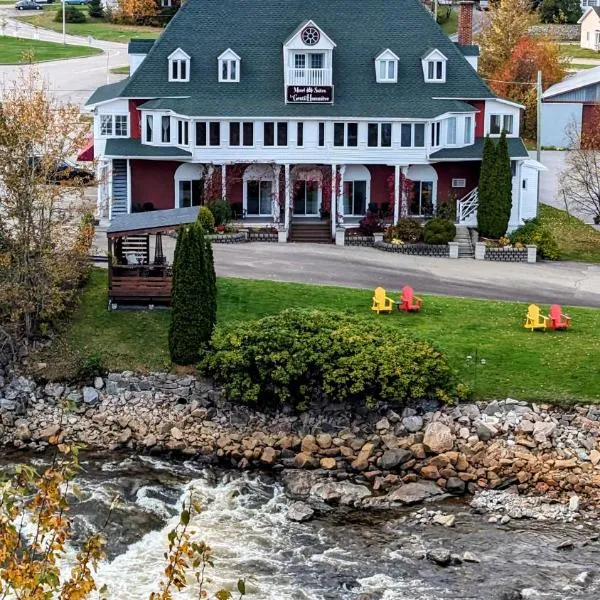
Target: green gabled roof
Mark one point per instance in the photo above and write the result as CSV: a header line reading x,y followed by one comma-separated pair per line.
x,y
516,149
257,30
107,92
130,147
140,45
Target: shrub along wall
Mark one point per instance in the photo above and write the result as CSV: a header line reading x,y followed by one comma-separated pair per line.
x,y
299,356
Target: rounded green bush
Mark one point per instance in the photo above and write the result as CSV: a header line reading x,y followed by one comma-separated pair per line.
x,y
298,356
206,219
531,232
72,15
221,210
439,231
407,230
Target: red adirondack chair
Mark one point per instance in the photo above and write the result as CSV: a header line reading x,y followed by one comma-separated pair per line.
x,y
408,301
557,319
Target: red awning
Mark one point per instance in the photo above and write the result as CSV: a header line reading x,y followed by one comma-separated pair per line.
x,y
87,153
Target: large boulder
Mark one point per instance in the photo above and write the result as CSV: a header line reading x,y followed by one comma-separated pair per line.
x,y
395,457
300,511
438,437
412,493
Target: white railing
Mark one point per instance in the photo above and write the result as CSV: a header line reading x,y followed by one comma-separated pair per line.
x,y
309,77
466,208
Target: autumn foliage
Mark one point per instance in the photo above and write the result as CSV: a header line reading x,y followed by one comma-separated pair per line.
x,y
516,79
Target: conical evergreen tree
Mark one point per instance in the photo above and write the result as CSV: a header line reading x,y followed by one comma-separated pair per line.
x,y
191,307
503,187
212,281
487,177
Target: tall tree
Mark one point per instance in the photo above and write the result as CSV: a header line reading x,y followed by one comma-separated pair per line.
x,y
560,11
517,78
487,180
138,12
193,303
505,24
502,186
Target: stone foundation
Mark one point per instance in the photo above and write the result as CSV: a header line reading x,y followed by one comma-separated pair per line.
x,y
415,249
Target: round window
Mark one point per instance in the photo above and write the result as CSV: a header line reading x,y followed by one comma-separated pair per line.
x,y
310,36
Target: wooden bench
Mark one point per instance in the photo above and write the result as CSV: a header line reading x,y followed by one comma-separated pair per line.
x,y
144,289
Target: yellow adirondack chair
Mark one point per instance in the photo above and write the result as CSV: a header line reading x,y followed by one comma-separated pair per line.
x,y
381,302
534,319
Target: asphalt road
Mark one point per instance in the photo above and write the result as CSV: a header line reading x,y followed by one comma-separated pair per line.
x,y
563,283
71,80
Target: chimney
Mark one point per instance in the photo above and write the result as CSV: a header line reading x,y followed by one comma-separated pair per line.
x,y
465,23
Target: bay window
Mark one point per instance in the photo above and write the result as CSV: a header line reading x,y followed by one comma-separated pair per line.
x,y
182,133
468,130
165,126
149,128
451,131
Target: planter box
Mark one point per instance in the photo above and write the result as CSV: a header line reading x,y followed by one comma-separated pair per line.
x,y
228,238
442,250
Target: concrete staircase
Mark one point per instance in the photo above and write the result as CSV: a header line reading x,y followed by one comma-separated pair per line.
x,y
465,246
316,232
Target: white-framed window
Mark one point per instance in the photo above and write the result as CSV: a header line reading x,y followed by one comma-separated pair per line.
x,y
500,123
451,131
165,129
179,66
114,125
241,134
183,133
459,182
434,66
149,132
229,67
189,185
468,137
412,135
259,197
379,135
386,67
436,130
345,134
275,134
309,60
208,133
165,3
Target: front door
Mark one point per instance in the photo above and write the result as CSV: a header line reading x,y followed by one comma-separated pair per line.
x,y
306,199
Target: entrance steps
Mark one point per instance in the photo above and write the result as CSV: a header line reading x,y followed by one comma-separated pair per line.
x,y
315,232
465,246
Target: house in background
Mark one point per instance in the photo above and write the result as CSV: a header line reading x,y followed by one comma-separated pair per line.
x,y
570,108
296,113
590,28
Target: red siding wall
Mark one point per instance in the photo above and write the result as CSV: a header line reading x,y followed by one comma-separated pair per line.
x,y
135,118
153,181
380,191
479,117
448,171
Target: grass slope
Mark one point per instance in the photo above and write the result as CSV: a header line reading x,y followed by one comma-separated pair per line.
x,y
450,26
575,51
97,28
576,240
556,367
12,49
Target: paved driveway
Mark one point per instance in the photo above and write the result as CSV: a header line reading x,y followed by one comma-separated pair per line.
x,y
564,283
71,80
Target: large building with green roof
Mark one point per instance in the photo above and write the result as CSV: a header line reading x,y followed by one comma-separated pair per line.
x,y
303,110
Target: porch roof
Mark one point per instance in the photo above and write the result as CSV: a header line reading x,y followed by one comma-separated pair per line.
x,y
516,149
132,148
152,221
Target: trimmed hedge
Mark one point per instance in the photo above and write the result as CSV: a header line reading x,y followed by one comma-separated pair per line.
x,y
206,220
297,356
531,232
439,231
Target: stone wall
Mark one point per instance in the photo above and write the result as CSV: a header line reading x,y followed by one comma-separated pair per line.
x,y
506,254
358,240
415,249
561,32
228,238
262,236
395,456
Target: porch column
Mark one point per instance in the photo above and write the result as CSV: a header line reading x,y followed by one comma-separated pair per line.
x,y
340,196
128,186
396,193
223,181
333,200
403,197
287,198
276,204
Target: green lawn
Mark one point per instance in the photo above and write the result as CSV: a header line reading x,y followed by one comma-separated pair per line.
x,y
120,70
576,240
451,25
532,366
97,28
574,51
580,67
12,50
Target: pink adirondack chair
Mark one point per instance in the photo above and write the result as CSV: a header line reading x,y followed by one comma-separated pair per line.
x,y
408,301
557,319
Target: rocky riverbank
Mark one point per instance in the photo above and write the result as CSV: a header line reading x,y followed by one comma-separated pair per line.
x,y
376,459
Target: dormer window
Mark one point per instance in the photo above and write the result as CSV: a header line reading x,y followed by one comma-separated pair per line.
x,y
229,66
179,66
386,67
434,66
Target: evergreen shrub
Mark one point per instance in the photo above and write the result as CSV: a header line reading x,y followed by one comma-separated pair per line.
x,y
439,231
407,230
300,355
72,15
206,219
221,210
531,232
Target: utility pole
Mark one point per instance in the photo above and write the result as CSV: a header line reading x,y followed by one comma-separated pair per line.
x,y
539,115
435,9
64,23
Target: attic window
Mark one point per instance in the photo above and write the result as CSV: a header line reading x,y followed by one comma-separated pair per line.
x,y
229,66
434,67
179,66
386,67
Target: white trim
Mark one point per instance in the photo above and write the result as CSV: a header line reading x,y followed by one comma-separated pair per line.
x,y
534,164
179,56
502,100
128,185
229,53
187,172
254,173
353,173
228,56
588,10
303,26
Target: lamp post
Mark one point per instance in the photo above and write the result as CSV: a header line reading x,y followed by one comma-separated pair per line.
x,y
64,23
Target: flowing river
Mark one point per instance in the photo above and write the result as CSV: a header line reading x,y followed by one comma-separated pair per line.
x,y
347,555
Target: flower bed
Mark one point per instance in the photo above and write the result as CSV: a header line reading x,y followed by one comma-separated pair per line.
x,y
228,238
415,249
506,254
